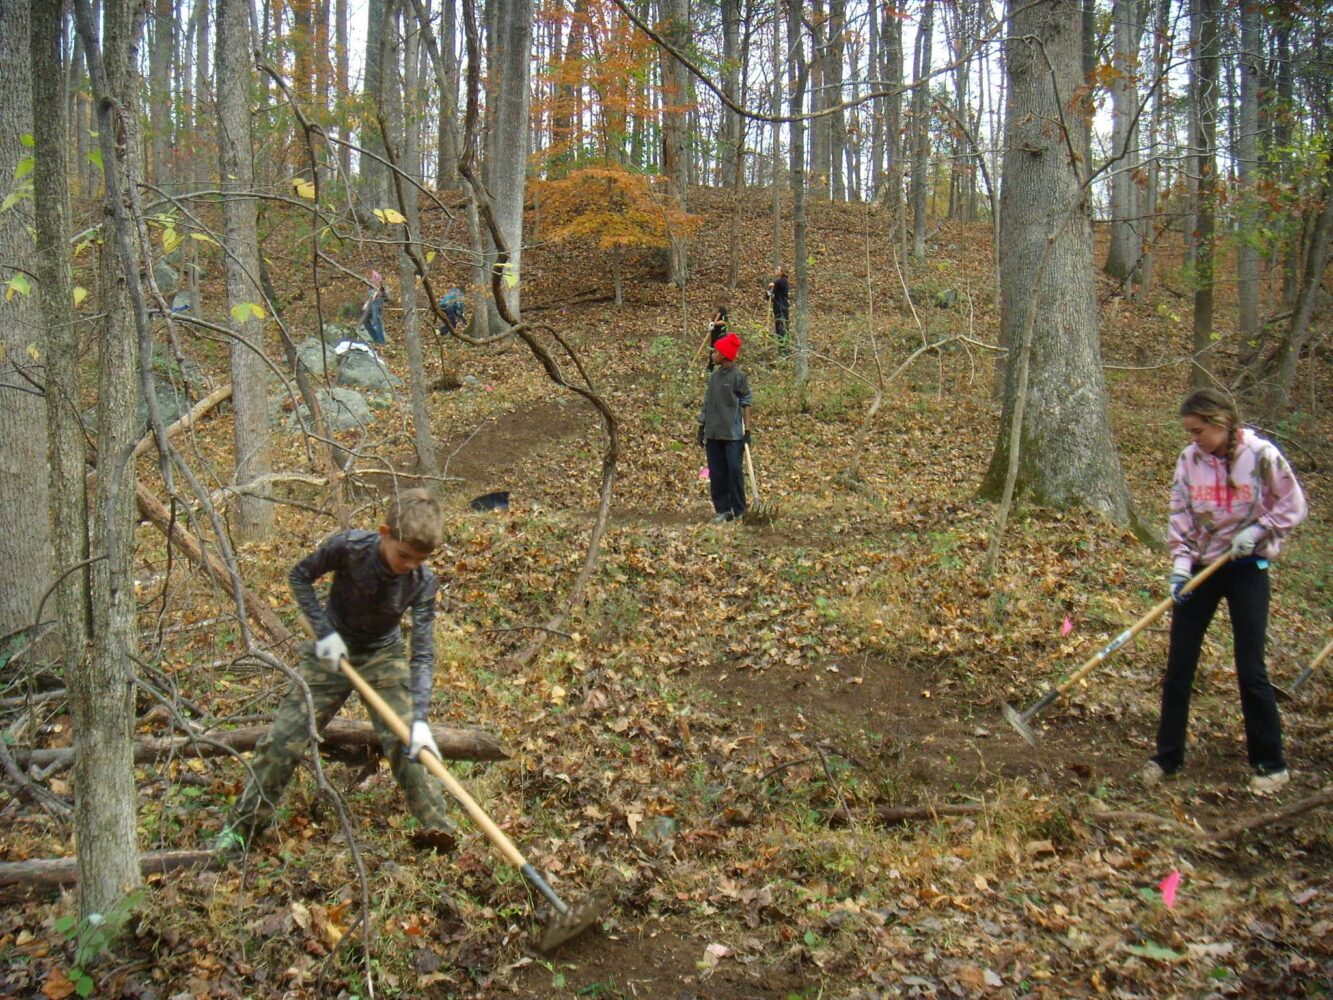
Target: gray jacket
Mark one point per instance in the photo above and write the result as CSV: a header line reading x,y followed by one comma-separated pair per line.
x,y
367,602
728,392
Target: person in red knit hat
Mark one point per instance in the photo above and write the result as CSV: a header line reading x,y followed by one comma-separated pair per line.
x,y
724,429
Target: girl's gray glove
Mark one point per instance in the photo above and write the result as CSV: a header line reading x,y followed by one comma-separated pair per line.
x,y
1245,541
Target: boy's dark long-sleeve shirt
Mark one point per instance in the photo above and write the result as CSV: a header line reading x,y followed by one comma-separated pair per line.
x,y
728,392
367,602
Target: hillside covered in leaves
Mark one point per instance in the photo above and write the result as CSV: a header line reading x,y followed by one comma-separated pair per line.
x,y
785,742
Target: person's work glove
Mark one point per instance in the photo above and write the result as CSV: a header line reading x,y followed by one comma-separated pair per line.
x,y
699,435
331,650
745,438
1178,581
1245,541
422,740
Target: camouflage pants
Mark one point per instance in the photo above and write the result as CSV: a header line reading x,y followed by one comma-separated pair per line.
x,y
286,742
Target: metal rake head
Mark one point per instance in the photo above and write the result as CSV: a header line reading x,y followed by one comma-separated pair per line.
x,y
564,927
1015,718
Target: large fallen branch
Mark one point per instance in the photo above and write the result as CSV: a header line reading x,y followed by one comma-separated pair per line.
x,y
1320,798
259,612
55,872
339,734
904,814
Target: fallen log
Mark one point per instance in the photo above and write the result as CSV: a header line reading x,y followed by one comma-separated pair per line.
x,y
1318,800
347,735
51,873
904,814
155,511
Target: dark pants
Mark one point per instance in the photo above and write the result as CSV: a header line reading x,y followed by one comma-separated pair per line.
x,y
726,475
780,325
1244,585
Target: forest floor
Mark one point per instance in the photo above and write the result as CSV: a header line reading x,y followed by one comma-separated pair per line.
x,y
723,721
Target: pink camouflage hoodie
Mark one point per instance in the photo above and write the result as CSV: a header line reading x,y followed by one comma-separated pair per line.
x,y
1210,502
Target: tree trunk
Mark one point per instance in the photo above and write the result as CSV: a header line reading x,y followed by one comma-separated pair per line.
x,y
1248,211
506,173
1205,147
797,70
921,130
1281,372
1126,241
675,135
775,68
25,534
102,690
203,83
1054,386
449,152
405,110
1162,46
833,77
374,178
159,108
730,139
254,514
60,346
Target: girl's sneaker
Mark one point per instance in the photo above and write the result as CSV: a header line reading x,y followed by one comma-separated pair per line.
x,y
1267,784
1152,774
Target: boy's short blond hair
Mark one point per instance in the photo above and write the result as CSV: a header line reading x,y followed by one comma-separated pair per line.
x,y
416,518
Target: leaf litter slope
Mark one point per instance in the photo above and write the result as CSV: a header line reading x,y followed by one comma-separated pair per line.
x,y
733,705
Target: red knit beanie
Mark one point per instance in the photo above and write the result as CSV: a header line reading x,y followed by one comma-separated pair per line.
x,y
728,346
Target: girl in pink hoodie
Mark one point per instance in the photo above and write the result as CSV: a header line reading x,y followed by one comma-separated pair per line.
x,y
1233,493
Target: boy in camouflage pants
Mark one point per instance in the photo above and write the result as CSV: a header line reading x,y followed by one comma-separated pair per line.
x,y
377,577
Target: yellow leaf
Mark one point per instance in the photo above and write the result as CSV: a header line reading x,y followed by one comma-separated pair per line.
x,y
303,187
388,215
33,353
170,239
80,293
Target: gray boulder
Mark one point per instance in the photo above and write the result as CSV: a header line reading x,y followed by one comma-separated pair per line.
x,y
364,371
335,332
166,277
344,410
313,354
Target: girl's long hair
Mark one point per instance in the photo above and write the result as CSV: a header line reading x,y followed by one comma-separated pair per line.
x,y
1213,406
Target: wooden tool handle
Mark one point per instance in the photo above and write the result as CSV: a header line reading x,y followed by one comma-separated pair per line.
x,y
435,766
1160,609
1323,655
427,759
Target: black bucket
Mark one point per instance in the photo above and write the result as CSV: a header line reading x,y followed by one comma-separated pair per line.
x,y
491,501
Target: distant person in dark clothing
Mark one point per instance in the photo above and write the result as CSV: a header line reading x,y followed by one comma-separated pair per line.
x,y
779,292
724,430
718,327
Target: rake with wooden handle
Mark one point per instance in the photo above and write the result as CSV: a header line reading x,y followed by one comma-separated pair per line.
x,y
569,920
757,512
1020,720
1304,675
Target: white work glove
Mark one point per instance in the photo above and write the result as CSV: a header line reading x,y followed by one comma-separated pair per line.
x,y
1245,541
331,650
422,740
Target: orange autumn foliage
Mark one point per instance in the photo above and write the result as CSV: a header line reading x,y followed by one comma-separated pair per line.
x,y
613,209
